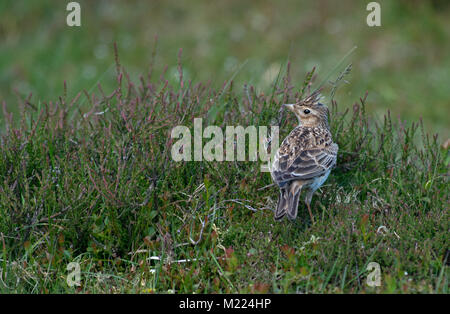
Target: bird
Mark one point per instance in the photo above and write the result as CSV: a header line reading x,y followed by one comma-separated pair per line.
x,y
305,158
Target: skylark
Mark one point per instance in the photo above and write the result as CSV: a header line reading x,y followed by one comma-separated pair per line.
x,y
305,157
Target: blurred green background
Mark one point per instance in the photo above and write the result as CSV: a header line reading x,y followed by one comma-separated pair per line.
x,y
404,64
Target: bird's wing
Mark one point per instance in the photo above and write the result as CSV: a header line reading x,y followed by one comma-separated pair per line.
x,y
304,156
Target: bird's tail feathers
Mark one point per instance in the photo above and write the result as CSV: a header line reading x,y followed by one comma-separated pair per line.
x,y
280,212
287,203
292,207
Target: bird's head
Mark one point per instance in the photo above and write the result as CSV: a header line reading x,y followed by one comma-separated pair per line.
x,y
309,111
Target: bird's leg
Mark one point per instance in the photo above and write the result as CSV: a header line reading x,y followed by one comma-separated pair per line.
x,y
310,213
308,202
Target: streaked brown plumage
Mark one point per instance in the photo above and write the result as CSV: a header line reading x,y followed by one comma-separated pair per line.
x,y
305,157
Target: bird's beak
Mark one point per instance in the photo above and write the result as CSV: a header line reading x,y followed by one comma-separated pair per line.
x,y
289,106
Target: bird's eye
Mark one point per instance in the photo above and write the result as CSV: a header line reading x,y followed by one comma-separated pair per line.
x,y
306,111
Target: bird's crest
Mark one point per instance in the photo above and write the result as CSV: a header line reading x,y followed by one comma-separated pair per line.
x,y
311,100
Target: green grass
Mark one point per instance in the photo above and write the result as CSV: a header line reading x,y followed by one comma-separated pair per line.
x,y
96,184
